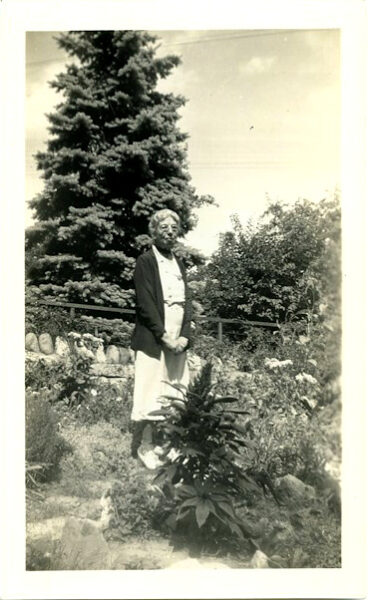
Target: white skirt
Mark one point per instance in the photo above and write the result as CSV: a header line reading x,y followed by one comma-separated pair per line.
x,y
153,376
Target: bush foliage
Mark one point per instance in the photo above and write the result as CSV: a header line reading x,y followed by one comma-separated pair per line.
x,y
278,270
45,447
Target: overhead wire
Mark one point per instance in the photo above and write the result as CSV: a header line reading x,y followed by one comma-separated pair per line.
x,y
260,33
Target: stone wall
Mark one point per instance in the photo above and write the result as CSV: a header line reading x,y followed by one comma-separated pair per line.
x,y
80,344
112,361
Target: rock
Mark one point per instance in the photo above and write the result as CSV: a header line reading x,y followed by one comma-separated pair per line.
x,y
74,340
112,355
61,347
124,356
290,489
95,345
283,534
82,546
82,350
108,511
32,342
107,370
259,560
45,343
34,357
129,370
100,356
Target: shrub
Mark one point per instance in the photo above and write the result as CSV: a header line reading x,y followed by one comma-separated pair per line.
x,y
203,478
279,268
44,445
67,380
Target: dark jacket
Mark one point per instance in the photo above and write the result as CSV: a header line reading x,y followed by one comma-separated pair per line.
x,y
150,313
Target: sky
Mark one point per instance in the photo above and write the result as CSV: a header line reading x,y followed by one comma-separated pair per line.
x,y
262,116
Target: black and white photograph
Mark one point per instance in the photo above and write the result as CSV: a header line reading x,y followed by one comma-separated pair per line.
x,y
184,304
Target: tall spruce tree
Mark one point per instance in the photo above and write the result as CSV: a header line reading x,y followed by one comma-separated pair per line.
x,y
115,155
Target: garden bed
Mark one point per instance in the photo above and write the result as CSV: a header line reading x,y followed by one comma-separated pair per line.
x,y
91,494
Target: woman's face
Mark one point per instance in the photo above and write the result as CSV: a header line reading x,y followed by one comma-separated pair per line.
x,y
166,234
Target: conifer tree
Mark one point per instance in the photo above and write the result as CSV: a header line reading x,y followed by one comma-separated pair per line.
x,y
115,155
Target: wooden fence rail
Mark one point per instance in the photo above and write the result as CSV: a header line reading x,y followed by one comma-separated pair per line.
x,y
219,320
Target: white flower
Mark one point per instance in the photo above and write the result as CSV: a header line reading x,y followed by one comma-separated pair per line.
x,y
312,361
310,379
93,392
73,335
286,362
274,363
312,403
306,377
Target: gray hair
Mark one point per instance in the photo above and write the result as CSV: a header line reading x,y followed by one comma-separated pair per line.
x,y
159,216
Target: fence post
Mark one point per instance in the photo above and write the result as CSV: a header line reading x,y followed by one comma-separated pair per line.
x,y
219,331
72,312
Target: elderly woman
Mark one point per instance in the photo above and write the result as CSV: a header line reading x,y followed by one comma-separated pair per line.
x,y
162,331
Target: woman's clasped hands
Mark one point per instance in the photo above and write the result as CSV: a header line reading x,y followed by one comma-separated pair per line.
x,y
177,345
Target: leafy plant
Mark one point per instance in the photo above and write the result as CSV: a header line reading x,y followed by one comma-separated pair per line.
x,y
45,447
42,375
201,477
75,380
67,380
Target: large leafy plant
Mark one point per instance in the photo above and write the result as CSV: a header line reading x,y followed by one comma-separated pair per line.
x,y
201,477
69,381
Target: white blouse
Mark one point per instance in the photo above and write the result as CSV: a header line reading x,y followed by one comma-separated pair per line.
x,y
172,282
